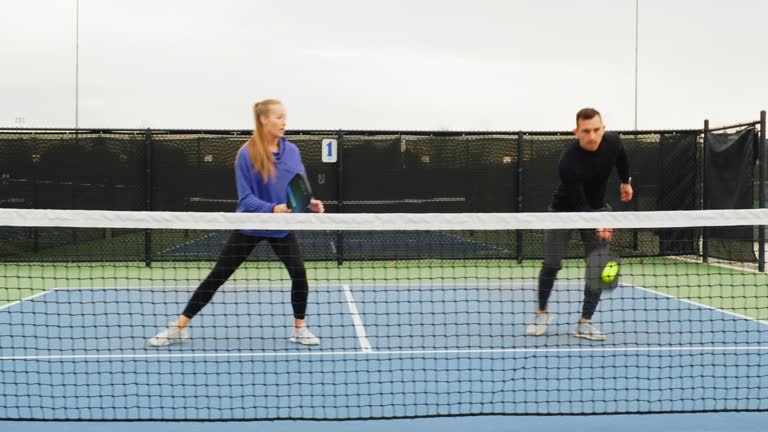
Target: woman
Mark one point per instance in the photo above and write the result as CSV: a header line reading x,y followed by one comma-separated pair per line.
x,y
263,167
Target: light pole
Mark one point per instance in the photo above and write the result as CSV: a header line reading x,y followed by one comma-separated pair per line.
x,y
77,64
637,33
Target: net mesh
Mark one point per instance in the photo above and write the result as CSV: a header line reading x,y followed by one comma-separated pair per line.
x,y
428,315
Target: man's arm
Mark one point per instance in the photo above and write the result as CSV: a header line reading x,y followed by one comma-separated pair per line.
x,y
622,167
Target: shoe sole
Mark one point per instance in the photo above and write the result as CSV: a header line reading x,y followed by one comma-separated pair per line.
x,y
167,342
583,336
158,344
294,340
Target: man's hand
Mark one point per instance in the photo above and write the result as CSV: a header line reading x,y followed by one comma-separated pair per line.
x,y
626,192
604,234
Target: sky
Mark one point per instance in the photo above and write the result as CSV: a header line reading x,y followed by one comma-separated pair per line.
x,y
502,65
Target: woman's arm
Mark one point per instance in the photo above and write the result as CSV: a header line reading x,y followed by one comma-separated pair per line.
x,y
245,194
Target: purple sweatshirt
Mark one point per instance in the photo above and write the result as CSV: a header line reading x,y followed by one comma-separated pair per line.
x,y
255,196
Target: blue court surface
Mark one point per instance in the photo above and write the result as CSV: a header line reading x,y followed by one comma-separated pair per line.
x,y
702,422
387,351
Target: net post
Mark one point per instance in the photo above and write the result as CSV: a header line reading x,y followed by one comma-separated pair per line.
x,y
340,192
761,187
108,198
520,177
705,203
148,194
73,204
35,205
635,207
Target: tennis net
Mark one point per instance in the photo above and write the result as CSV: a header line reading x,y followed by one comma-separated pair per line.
x,y
428,315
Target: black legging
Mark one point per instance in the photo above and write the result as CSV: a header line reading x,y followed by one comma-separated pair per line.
x,y
555,248
237,249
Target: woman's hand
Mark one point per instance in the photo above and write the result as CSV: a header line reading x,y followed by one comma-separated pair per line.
x,y
281,208
316,206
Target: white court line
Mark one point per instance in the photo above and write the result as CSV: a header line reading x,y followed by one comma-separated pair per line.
x,y
715,264
378,353
26,298
496,283
701,305
365,345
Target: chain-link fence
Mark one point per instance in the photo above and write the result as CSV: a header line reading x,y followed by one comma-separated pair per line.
x,y
375,172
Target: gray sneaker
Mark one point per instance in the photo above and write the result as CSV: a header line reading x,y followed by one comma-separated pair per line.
x,y
540,322
587,330
302,335
169,335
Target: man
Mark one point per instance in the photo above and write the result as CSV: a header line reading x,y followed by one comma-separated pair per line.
x,y
584,168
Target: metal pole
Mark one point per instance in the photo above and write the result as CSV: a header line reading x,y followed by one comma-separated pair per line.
x,y
761,188
635,207
340,191
637,35
36,205
705,202
148,195
77,65
520,177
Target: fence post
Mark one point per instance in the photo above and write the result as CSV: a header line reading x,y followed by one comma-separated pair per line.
x,y
761,188
705,202
148,195
340,192
35,205
519,209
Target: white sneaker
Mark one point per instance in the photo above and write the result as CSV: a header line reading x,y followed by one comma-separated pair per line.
x,y
587,330
169,335
540,322
302,335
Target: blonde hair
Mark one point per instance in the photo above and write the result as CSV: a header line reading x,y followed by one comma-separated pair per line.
x,y
261,156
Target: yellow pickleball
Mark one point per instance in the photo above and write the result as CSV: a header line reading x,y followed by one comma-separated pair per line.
x,y
610,271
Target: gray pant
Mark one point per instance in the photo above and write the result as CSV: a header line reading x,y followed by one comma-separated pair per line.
x,y
555,249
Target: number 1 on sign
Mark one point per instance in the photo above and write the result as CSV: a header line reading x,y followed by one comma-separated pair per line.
x,y
330,147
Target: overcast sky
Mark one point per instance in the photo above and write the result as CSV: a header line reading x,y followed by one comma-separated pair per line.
x,y
394,64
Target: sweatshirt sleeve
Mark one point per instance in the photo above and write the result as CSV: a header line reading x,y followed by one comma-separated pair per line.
x,y
249,201
302,169
622,164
